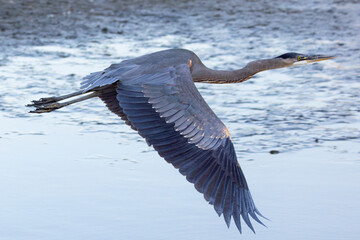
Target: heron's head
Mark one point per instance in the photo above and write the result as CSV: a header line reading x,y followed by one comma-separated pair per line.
x,y
293,59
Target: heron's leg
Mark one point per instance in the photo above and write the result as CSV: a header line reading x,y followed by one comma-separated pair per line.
x,y
54,99
49,107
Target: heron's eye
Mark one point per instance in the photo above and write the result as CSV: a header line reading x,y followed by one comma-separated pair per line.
x,y
301,58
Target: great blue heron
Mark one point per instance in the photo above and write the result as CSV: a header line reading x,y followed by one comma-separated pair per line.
x,y
155,95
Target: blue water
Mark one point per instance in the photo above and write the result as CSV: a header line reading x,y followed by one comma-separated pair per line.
x,y
80,173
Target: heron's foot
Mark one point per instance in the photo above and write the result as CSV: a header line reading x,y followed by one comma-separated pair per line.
x,y
43,108
43,101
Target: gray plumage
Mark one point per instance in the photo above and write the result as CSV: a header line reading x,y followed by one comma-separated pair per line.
x,y
155,94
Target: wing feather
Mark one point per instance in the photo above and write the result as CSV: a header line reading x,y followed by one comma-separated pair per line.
x,y
165,107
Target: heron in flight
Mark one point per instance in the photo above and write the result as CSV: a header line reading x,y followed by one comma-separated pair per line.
x,y
156,96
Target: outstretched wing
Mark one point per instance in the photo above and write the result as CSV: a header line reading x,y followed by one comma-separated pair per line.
x,y
166,108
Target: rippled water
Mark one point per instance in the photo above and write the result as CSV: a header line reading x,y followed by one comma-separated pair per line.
x,y
80,173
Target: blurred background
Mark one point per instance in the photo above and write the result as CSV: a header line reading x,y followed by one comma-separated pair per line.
x,y
80,173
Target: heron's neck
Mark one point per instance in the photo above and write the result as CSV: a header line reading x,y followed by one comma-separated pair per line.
x,y
207,75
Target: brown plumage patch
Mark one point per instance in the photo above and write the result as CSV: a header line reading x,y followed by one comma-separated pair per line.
x,y
227,133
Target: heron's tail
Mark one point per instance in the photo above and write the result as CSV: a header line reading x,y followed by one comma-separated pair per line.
x,y
50,104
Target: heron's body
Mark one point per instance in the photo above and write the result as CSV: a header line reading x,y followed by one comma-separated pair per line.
x,y
155,94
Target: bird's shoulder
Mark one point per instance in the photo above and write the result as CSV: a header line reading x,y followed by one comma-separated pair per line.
x,y
164,58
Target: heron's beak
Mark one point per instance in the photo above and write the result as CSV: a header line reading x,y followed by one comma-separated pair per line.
x,y
317,58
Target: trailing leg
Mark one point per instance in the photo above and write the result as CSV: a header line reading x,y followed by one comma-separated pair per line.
x,y
53,99
52,103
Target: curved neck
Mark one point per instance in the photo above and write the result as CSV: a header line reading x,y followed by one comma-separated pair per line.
x,y
201,73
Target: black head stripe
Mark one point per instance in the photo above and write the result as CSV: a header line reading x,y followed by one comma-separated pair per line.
x,y
289,55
